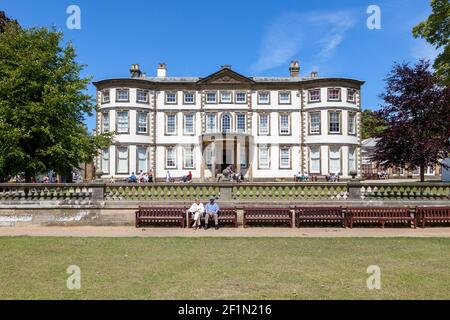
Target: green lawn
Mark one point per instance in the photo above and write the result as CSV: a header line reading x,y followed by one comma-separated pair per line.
x,y
224,268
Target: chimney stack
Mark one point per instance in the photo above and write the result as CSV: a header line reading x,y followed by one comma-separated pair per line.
x,y
294,69
161,72
314,74
135,71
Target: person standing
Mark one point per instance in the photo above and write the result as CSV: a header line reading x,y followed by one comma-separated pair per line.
x,y
212,210
197,210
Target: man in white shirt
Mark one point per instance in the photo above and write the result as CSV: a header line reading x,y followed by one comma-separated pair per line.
x,y
197,209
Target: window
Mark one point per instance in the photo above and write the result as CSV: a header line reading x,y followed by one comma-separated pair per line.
x,y
188,159
284,124
241,97
263,157
142,122
122,95
284,97
105,96
105,160
429,171
122,160
351,95
334,122
351,123
351,159
105,121
188,98
171,124
335,160
314,123
188,124
225,97
210,123
211,97
264,124
226,123
314,95
334,94
170,157
314,160
171,97
141,157
263,97
285,158
142,96
122,121
240,123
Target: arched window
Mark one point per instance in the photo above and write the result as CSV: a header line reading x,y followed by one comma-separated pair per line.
x,y
226,123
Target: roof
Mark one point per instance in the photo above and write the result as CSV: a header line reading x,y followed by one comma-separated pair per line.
x,y
227,76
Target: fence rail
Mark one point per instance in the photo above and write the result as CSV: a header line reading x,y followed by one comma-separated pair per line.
x,y
239,192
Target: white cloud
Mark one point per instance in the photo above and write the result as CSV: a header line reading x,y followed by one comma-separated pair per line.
x,y
289,33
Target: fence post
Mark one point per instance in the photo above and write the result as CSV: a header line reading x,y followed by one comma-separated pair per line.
x,y
354,189
98,191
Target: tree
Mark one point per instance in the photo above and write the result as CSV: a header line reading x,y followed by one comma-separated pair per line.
x,y
371,124
42,105
436,31
4,20
416,109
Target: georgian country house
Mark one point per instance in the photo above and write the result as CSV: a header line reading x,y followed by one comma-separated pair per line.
x,y
269,128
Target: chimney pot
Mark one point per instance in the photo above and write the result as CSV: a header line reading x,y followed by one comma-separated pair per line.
x,y
135,71
314,74
294,69
162,70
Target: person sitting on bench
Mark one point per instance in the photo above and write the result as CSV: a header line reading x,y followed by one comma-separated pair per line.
x,y
187,178
197,209
212,210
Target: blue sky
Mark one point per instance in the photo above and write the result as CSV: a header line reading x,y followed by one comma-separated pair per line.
x,y
255,37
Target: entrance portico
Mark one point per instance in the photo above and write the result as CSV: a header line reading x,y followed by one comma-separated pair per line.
x,y
222,149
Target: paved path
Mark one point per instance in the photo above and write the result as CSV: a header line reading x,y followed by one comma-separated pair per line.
x,y
224,232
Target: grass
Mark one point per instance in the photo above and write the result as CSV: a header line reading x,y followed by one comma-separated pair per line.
x,y
224,268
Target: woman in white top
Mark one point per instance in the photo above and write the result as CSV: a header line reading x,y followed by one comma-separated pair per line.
x,y
197,209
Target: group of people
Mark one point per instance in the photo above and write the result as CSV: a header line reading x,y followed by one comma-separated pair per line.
x,y
210,210
301,176
332,177
143,177
230,174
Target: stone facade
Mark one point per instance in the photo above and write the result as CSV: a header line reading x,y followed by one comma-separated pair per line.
x,y
268,128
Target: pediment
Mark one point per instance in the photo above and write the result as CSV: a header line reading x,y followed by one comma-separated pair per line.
x,y
225,76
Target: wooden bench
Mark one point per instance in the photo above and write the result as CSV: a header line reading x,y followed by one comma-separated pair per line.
x,y
379,215
432,214
160,215
226,215
319,214
278,215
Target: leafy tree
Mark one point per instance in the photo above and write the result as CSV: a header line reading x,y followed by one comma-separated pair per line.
x,y
436,30
42,105
416,109
5,20
371,124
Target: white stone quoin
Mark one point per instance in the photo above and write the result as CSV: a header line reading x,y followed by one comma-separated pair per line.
x,y
266,127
